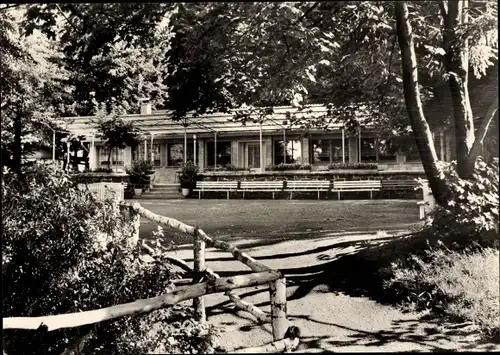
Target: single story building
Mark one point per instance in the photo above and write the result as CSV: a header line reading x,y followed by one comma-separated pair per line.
x,y
217,140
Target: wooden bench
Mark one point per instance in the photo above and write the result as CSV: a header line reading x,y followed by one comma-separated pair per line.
x,y
397,185
307,185
227,186
359,185
255,186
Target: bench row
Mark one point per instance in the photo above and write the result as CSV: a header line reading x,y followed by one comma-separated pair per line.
x,y
303,185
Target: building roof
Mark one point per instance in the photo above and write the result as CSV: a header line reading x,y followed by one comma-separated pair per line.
x,y
160,122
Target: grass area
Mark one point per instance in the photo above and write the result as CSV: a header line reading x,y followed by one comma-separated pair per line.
x,y
463,285
230,219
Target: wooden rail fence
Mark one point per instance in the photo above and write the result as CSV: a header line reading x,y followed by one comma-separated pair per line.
x,y
285,335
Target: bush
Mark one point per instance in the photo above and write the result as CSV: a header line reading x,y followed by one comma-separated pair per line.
x,y
227,167
283,167
168,331
472,210
64,251
188,175
102,170
139,172
462,285
340,166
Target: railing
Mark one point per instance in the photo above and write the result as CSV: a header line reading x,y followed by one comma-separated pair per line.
x,y
285,335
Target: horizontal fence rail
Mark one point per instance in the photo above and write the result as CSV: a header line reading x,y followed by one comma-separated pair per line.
x,y
147,305
285,335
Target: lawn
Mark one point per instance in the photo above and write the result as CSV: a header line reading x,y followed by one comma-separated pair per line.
x,y
295,219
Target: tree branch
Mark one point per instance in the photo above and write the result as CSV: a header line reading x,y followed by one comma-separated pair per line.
x,y
482,131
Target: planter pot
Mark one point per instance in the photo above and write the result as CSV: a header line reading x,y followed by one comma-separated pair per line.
x,y
185,192
137,192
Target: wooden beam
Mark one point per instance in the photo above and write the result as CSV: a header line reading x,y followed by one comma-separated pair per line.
x,y
198,268
277,291
249,308
173,223
280,346
140,306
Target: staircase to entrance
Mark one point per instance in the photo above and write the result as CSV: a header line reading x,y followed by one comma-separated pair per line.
x,y
162,192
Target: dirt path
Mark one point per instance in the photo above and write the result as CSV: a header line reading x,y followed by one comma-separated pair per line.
x,y
329,321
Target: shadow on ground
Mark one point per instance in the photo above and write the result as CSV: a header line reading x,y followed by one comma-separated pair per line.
x,y
361,272
401,331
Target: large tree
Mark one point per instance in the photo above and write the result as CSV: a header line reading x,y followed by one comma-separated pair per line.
x,y
113,53
343,54
461,23
26,84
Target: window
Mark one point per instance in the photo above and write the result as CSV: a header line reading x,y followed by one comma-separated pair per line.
x,y
103,156
138,153
253,155
328,150
176,153
223,153
368,152
386,151
156,154
321,151
336,145
293,152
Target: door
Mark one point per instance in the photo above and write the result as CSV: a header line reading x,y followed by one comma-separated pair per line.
x,y
253,155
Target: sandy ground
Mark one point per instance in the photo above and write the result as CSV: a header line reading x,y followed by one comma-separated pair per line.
x,y
329,322
304,239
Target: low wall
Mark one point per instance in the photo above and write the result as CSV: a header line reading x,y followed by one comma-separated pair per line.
x,y
100,177
312,175
105,189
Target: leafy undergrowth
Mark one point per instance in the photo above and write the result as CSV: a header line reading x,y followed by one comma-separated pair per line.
x,y
166,331
457,274
64,251
461,285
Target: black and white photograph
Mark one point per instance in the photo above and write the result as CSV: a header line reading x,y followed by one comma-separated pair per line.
x,y
249,177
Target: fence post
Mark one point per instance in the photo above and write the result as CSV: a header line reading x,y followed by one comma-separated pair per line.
x,y
198,268
136,220
277,290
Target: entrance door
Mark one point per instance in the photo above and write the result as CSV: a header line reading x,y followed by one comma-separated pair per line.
x,y
253,155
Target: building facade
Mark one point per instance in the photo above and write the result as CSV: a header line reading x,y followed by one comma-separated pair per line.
x,y
216,140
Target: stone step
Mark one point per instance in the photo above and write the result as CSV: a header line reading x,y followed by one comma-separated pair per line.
x,y
160,197
164,190
166,185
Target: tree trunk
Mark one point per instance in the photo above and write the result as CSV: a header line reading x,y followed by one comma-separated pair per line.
x,y
456,63
420,126
17,153
482,131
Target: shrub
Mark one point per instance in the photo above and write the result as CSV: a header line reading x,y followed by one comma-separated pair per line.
x,y
102,170
188,175
64,251
354,165
139,172
167,331
462,285
283,167
472,210
227,167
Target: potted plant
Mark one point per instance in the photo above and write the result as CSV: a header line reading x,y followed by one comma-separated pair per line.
x,y
138,175
187,177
